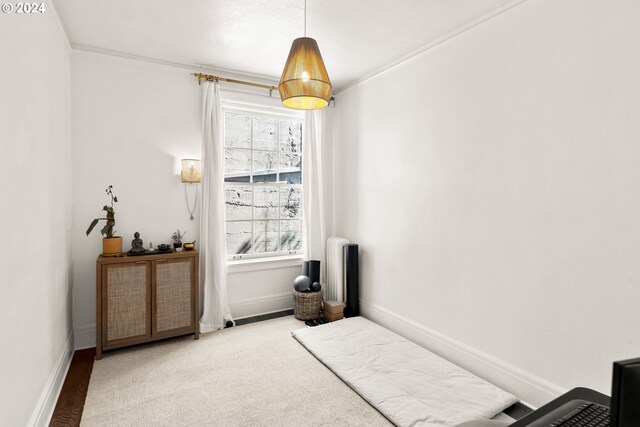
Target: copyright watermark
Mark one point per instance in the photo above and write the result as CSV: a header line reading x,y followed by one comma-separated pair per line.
x,y
24,8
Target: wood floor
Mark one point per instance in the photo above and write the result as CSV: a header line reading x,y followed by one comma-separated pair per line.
x,y
74,390
68,411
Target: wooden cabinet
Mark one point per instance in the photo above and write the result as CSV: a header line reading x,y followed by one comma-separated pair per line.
x,y
145,298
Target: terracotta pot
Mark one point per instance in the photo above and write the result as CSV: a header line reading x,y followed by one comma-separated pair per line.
x,y
112,246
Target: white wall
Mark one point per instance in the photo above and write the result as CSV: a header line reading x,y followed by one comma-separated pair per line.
x,y
35,182
493,184
132,123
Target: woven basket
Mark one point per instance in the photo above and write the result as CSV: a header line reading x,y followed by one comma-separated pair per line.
x,y
307,305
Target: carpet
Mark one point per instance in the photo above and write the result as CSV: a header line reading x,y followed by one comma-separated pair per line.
x,y
251,375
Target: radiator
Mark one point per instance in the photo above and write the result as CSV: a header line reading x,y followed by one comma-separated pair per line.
x,y
335,288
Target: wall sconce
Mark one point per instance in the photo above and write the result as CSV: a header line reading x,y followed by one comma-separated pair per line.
x,y
191,171
191,174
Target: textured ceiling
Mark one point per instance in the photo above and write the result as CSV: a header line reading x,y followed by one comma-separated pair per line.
x,y
356,37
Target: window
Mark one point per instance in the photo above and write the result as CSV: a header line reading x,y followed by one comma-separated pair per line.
x,y
263,184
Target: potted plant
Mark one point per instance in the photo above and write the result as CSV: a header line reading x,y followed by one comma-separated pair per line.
x,y
177,239
111,246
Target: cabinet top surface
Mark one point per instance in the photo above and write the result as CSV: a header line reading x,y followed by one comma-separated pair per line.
x,y
146,257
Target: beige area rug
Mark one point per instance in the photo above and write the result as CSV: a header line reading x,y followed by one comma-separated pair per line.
x,y
251,375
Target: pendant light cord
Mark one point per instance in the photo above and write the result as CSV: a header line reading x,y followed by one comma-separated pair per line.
x,y
305,18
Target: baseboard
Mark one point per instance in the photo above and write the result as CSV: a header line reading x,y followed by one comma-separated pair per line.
x,y
41,415
531,389
85,337
261,305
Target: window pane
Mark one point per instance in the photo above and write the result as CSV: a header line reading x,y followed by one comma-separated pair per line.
x,y
237,130
238,237
265,134
265,236
291,168
237,165
265,166
238,201
266,202
291,136
290,201
263,177
291,235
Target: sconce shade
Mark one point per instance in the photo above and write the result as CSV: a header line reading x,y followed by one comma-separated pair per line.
x,y
305,84
191,171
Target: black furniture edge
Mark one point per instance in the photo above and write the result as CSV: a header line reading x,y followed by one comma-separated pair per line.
x,y
576,393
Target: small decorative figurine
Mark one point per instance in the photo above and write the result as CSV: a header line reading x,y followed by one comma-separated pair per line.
x,y
137,246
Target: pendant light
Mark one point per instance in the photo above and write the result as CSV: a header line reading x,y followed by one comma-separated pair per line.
x,y
305,84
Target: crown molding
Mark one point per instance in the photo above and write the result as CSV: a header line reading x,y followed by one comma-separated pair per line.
x,y
207,69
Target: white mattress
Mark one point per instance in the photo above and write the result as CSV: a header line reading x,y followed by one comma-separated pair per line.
x,y
408,384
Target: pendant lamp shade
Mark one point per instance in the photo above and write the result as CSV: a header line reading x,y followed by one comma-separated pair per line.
x,y
305,84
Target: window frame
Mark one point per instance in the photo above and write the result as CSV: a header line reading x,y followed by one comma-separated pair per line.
x,y
277,113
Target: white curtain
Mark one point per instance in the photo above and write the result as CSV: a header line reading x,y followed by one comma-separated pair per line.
x,y
316,173
213,248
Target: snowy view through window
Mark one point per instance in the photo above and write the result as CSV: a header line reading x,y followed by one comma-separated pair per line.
x,y
263,177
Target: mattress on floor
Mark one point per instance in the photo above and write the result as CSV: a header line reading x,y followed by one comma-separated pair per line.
x,y
408,384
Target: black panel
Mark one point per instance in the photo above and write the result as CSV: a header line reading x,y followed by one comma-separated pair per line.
x,y
314,270
352,307
625,394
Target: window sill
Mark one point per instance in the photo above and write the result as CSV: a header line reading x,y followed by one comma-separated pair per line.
x,y
257,264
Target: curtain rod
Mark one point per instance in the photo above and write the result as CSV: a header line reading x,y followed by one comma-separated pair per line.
x,y
211,78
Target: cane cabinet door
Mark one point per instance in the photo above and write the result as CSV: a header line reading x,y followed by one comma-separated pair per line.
x,y
173,293
126,302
